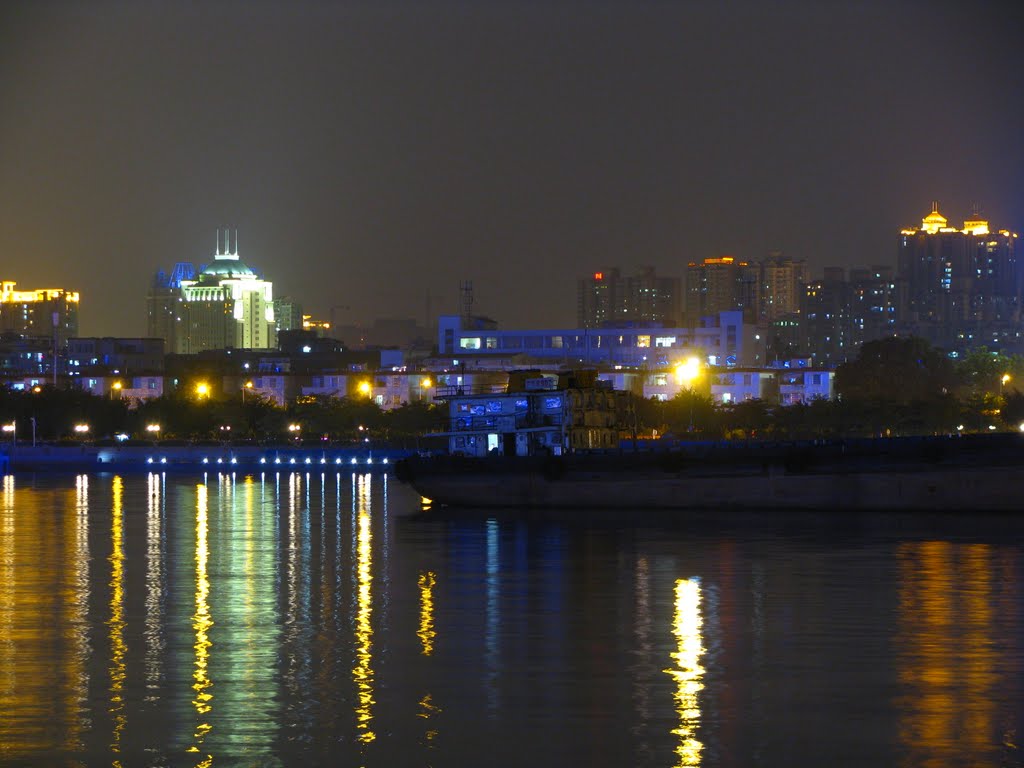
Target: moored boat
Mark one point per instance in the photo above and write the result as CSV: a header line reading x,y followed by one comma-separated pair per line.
x,y
972,472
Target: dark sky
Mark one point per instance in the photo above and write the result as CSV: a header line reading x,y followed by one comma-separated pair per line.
x,y
373,154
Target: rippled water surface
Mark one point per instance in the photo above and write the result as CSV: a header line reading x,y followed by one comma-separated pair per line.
x,y
306,619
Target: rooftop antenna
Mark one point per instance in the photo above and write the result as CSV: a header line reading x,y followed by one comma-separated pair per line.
x,y
935,206
218,242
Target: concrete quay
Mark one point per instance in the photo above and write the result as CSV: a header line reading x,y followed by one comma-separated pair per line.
x,y
193,458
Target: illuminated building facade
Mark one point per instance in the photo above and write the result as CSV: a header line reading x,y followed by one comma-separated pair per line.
x,y
225,305
50,313
606,298
957,285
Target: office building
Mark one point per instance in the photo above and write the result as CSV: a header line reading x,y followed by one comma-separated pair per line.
x,y
224,305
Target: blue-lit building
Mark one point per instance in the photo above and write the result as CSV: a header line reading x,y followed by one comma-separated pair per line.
x,y
720,340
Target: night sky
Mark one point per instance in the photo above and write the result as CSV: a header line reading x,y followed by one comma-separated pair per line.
x,y
374,155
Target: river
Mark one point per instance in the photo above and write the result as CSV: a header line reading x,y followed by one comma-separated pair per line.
x,y
295,619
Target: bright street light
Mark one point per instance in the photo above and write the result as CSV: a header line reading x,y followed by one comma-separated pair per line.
x,y
115,387
12,428
81,428
202,389
688,371
364,388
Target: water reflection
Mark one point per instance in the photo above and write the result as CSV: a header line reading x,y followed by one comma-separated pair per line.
x,y
155,584
290,619
946,651
202,622
362,672
116,623
688,672
426,633
44,631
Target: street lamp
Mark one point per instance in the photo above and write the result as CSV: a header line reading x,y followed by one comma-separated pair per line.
x,y
115,387
202,389
81,429
154,430
295,429
364,388
687,373
12,429
248,385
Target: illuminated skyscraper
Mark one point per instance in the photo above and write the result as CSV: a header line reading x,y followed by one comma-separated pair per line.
x,y
43,312
957,284
226,304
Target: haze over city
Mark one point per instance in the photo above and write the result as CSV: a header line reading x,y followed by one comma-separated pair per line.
x,y
372,155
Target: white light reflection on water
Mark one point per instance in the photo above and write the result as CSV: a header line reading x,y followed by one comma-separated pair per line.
x,y
154,584
688,672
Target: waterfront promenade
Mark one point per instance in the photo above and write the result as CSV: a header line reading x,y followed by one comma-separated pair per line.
x,y
191,457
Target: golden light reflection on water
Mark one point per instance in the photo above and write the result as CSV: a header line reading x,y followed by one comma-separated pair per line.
x,y
426,634
118,647
201,624
426,631
945,640
362,672
44,639
687,672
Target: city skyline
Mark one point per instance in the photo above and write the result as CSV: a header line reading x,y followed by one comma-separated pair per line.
x,y
371,156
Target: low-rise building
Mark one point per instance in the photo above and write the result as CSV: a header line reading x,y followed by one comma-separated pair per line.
x,y
540,414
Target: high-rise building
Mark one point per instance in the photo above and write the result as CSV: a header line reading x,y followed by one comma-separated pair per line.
x,y
50,313
872,304
608,298
720,284
953,282
780,286
225,304
288,314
